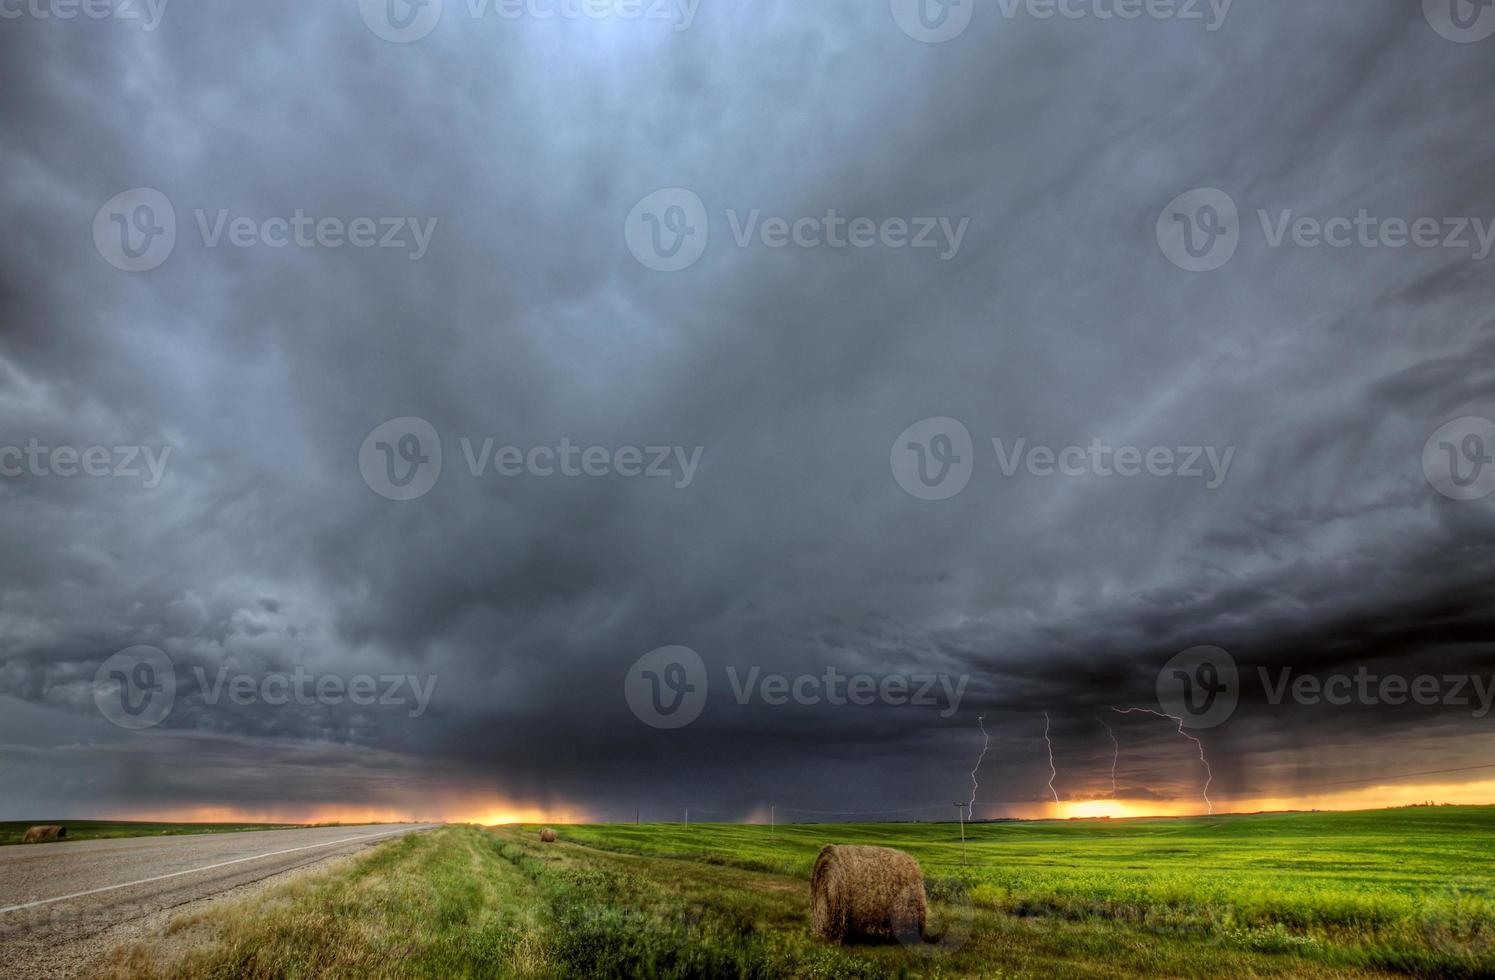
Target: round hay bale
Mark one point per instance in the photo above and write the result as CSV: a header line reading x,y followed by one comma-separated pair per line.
x,y
45,832
547,836
860,894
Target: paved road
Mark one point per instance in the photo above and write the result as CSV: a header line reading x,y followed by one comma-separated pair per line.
x,y
60,902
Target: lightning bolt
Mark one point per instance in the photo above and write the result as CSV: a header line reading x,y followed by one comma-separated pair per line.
x,y
1209,774
1053,773
1115,755
980,720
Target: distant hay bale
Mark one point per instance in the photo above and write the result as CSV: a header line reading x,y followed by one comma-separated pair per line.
x,y
46,832
866,894
547,836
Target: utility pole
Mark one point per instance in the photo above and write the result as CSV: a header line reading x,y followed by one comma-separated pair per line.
x,y
687,818
771,820
636,814
960,812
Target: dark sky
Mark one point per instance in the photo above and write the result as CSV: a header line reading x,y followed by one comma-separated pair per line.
x,y
791,547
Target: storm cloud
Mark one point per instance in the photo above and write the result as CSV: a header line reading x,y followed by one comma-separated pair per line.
x,y
516,149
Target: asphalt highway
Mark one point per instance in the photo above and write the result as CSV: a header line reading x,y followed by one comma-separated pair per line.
x,y
60,901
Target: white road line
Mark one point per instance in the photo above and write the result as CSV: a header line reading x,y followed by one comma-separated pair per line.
x,y
190,871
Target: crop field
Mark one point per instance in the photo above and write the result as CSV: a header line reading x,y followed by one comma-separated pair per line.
x,y
1384,893
12,831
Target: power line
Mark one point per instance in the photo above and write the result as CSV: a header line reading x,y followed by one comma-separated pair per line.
x,y
1402,775
940,806
854,813
821,813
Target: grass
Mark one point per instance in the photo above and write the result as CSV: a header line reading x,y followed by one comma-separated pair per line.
x,y
1401,890
1389,893
443,904
12,831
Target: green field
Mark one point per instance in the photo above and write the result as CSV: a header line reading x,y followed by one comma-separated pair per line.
x,y
1386,893
11,831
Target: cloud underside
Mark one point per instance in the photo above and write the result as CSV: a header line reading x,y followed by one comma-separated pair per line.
x,y
1059,321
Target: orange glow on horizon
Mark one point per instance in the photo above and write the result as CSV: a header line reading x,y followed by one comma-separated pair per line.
x,y
503,815
492,812
1481,793
1477,793
286,813
1116,809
